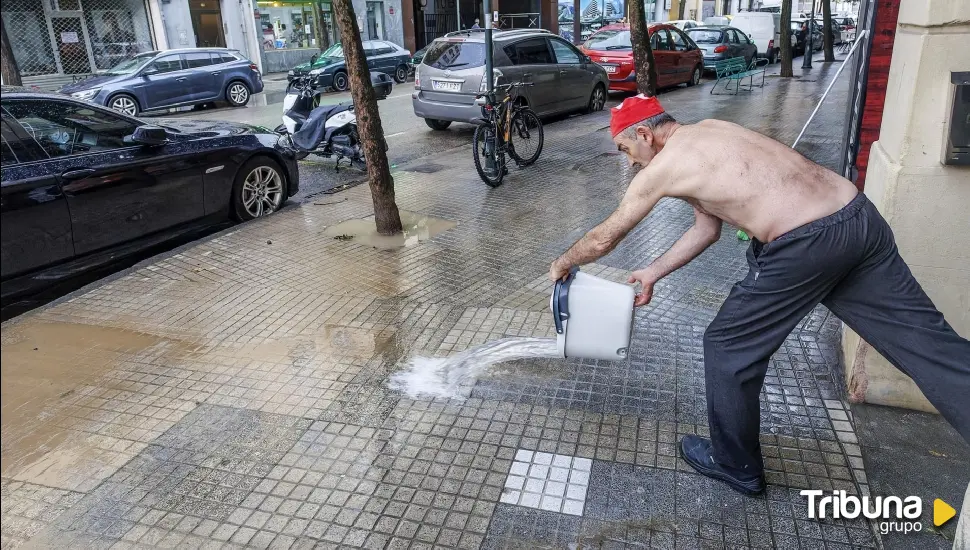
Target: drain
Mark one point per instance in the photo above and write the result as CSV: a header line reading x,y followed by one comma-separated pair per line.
x,y
590,165
427,168
343,187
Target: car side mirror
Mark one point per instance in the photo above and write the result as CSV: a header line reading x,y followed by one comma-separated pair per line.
x,y
149,71
313,58
148,135
587,59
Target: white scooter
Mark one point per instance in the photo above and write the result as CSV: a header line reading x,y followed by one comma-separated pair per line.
x,y
326,130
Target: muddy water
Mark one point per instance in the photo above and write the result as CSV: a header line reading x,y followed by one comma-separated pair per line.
x,y
417,228
59,433
43,365
450,376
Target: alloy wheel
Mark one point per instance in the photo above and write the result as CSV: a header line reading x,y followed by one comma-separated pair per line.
x,y
696,77
125,105
340,82
262,191
238,93
599,99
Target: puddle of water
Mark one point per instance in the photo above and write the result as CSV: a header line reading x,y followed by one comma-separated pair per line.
x,y
446,377
43,365
417,228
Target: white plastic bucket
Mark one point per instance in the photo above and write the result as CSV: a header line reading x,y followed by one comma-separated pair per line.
x,y
593,316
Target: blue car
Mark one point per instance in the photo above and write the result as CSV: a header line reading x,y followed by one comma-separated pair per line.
x,y
172,78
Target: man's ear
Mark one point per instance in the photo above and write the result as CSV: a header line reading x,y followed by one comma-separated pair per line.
x,y
646,134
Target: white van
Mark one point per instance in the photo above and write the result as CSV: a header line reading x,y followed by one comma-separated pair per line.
x,y
763,29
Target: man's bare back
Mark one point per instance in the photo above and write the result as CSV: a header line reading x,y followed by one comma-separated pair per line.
x,y
744,178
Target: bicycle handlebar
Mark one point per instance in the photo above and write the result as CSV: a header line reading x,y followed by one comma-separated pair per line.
x,y
506,87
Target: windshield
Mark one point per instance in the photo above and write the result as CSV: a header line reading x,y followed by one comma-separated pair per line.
x,y
333,51
455,54
129,66
609,40
705,37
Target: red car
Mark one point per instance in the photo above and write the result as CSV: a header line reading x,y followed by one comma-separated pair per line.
x,y
678,59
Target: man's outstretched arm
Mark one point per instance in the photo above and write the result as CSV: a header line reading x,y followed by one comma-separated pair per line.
x,y
639,200
705,232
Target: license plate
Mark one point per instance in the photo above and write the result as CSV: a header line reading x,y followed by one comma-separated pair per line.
x,y
443,86
610,69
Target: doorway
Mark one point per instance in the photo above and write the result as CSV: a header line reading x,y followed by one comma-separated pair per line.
x,y
71,39
375,21
207,23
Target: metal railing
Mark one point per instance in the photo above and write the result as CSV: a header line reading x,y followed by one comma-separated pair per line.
x,y
74,37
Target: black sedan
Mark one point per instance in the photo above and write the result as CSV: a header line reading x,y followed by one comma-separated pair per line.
x,y
330,70
84,186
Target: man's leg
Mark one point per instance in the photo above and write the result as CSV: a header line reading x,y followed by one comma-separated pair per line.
x,y
885,305
785,282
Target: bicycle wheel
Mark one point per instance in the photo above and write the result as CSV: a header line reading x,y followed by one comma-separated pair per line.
x,y
489,158
525,137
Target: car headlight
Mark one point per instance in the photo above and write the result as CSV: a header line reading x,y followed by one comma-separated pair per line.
x,y
86,94
316,72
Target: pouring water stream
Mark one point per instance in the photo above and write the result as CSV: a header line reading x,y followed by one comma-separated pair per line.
x,y
446,376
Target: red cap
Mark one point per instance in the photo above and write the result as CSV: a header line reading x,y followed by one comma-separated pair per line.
x,y
633,110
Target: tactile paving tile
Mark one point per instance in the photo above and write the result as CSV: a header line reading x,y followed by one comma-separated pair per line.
x,y
550,482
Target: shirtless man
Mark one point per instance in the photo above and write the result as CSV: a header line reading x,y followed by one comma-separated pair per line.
x,y
814,239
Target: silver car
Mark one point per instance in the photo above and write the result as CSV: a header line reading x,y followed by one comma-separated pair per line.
x,y
453,71
720,43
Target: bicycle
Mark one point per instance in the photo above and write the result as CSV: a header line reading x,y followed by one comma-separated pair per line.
x,y
504,124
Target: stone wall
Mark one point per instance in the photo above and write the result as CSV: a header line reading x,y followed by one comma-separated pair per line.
x,y
924,201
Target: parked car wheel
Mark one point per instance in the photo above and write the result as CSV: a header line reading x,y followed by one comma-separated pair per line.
x,y
401,74
436,124
597,100
124,103
695,77
259,189
771,57
237,94
340,82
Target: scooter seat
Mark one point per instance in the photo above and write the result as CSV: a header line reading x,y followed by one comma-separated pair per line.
x,y
312,131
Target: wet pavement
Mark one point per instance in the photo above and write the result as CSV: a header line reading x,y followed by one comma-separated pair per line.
x,y
234,393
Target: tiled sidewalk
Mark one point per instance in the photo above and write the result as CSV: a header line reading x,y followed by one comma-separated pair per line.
x,y
234,394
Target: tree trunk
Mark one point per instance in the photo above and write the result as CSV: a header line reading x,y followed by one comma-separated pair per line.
x,y
643,63
368,120
8,64
786,45
323,37
827,31
682,8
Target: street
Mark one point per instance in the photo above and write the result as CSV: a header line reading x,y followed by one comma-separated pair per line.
x,y
408,136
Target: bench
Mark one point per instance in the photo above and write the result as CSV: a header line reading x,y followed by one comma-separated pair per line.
x,y
736,69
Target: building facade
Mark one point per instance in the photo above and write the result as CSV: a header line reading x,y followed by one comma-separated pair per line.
x,y
55,42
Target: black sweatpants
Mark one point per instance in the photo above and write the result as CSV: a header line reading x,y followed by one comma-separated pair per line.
x,y
849,262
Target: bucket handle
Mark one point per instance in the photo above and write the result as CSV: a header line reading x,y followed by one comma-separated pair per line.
x,y
560,300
